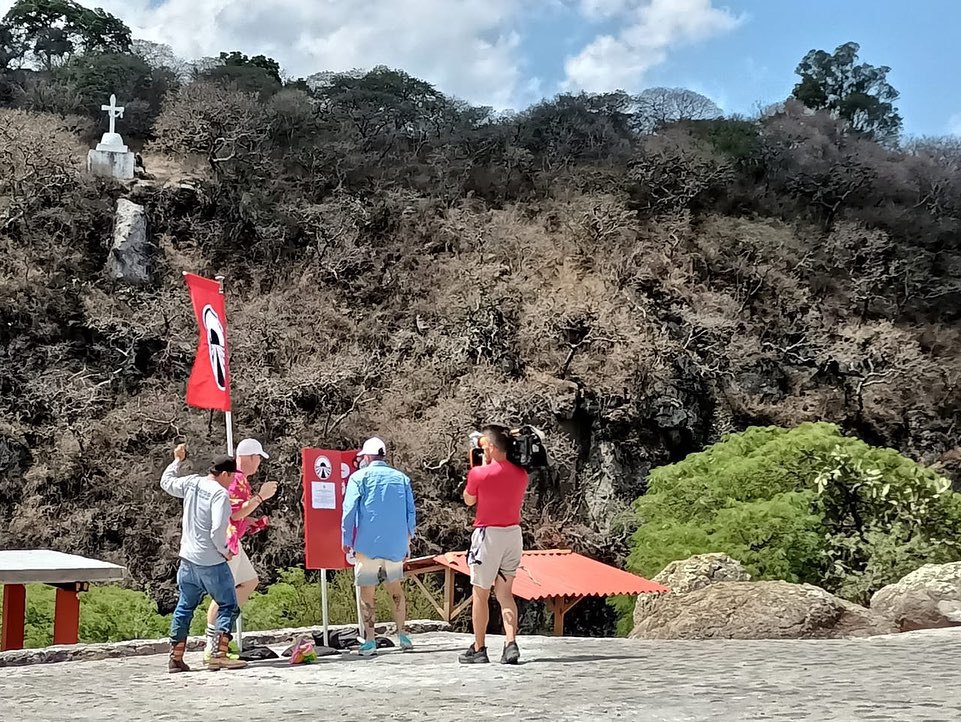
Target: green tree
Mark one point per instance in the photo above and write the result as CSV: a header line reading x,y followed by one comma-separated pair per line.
x,y
236,59
858,92
259,75
582,127
88,81
381,108
805,505
8,46
51,31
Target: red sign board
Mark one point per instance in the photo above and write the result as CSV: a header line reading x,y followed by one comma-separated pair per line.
x,y
325,475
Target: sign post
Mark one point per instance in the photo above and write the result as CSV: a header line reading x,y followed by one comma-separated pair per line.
x,y
325,475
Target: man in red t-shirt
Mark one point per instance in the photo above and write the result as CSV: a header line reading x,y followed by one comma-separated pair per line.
x,y
497,488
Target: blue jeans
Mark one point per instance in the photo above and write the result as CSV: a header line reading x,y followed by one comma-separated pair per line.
x,y
194,581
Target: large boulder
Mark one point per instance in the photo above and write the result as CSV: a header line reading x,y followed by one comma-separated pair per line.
x,y
927,598
689,575
758,610
131,254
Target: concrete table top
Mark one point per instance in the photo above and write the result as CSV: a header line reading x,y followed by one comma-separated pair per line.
x,y
43,566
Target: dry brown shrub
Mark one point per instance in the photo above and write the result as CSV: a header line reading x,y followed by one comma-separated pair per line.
x,y
887,368
674,171
207,119
47,208
40,162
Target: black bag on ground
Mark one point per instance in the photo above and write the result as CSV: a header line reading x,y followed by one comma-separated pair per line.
x,y
346,639
337,639
256,654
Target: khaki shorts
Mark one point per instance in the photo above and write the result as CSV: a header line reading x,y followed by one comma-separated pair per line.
x,y
371,572
242,569
494,551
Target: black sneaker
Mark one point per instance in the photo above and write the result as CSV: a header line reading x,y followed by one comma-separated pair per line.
x,y
474,656
511,653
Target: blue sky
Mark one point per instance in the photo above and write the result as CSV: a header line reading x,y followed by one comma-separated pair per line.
x,y
510,53
754,62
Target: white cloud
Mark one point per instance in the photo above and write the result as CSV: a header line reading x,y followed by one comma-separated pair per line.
x,y
954,124
466,48
603,9
650,28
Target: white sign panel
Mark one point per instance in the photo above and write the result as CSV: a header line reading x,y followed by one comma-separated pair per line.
x,y
323,495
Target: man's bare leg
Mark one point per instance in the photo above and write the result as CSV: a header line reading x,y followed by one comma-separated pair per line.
x,y
399,603
368,611
504,591
480,616
245,590
243,594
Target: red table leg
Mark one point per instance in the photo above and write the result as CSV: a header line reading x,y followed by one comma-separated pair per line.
x,y
66,617
14,609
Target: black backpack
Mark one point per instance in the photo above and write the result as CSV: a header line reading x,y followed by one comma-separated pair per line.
x,y
346,639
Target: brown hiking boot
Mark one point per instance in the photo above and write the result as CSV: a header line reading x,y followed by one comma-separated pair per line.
x,y
219,659
175,663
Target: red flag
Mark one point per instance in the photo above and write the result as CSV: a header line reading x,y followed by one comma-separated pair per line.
x,y
209,383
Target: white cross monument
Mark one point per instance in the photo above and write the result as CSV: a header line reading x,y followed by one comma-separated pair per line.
x,y
112,157
113,112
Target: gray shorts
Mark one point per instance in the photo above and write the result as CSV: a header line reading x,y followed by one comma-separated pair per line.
x,y
494,551
371,572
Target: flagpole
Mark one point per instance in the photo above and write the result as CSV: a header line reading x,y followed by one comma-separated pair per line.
x,y
228,421
228,415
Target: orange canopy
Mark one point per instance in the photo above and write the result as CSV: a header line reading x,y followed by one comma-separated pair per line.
x,y
557,573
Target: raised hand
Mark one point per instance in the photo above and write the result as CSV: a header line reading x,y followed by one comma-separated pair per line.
x,y
267,490
180,453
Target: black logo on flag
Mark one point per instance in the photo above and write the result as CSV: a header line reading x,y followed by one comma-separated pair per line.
x,y
216,345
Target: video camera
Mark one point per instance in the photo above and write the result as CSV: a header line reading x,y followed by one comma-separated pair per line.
x,y
527,449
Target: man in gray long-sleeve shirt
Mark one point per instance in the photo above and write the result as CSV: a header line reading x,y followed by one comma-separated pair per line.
x,y
203,556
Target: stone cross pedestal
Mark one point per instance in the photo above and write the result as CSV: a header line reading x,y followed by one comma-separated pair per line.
x,y
111,157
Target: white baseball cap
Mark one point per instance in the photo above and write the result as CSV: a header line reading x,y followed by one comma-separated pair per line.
x,y
373,447
251,447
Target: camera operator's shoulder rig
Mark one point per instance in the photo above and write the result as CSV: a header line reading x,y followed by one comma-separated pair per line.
x,y
527,450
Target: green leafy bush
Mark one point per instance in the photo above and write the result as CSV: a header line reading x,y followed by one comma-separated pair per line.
x,y
107,614
294,601
805,505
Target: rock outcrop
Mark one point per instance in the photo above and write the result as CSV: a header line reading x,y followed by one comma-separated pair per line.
x,y
689,575
712,597
758,610
130,256
927,598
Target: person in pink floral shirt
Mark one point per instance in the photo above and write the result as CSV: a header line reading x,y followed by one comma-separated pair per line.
x,y
243,503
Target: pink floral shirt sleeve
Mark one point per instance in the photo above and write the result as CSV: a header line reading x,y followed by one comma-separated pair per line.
x,y
240,493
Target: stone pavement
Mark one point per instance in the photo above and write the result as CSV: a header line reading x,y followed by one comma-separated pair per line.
x,y
905,677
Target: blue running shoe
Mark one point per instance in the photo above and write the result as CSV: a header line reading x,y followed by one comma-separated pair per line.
x,y
368,649
405,644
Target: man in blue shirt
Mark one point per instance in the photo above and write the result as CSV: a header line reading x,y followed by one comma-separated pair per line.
x,y
377,526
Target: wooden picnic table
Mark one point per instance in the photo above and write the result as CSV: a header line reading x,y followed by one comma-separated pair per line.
x,y
69,573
